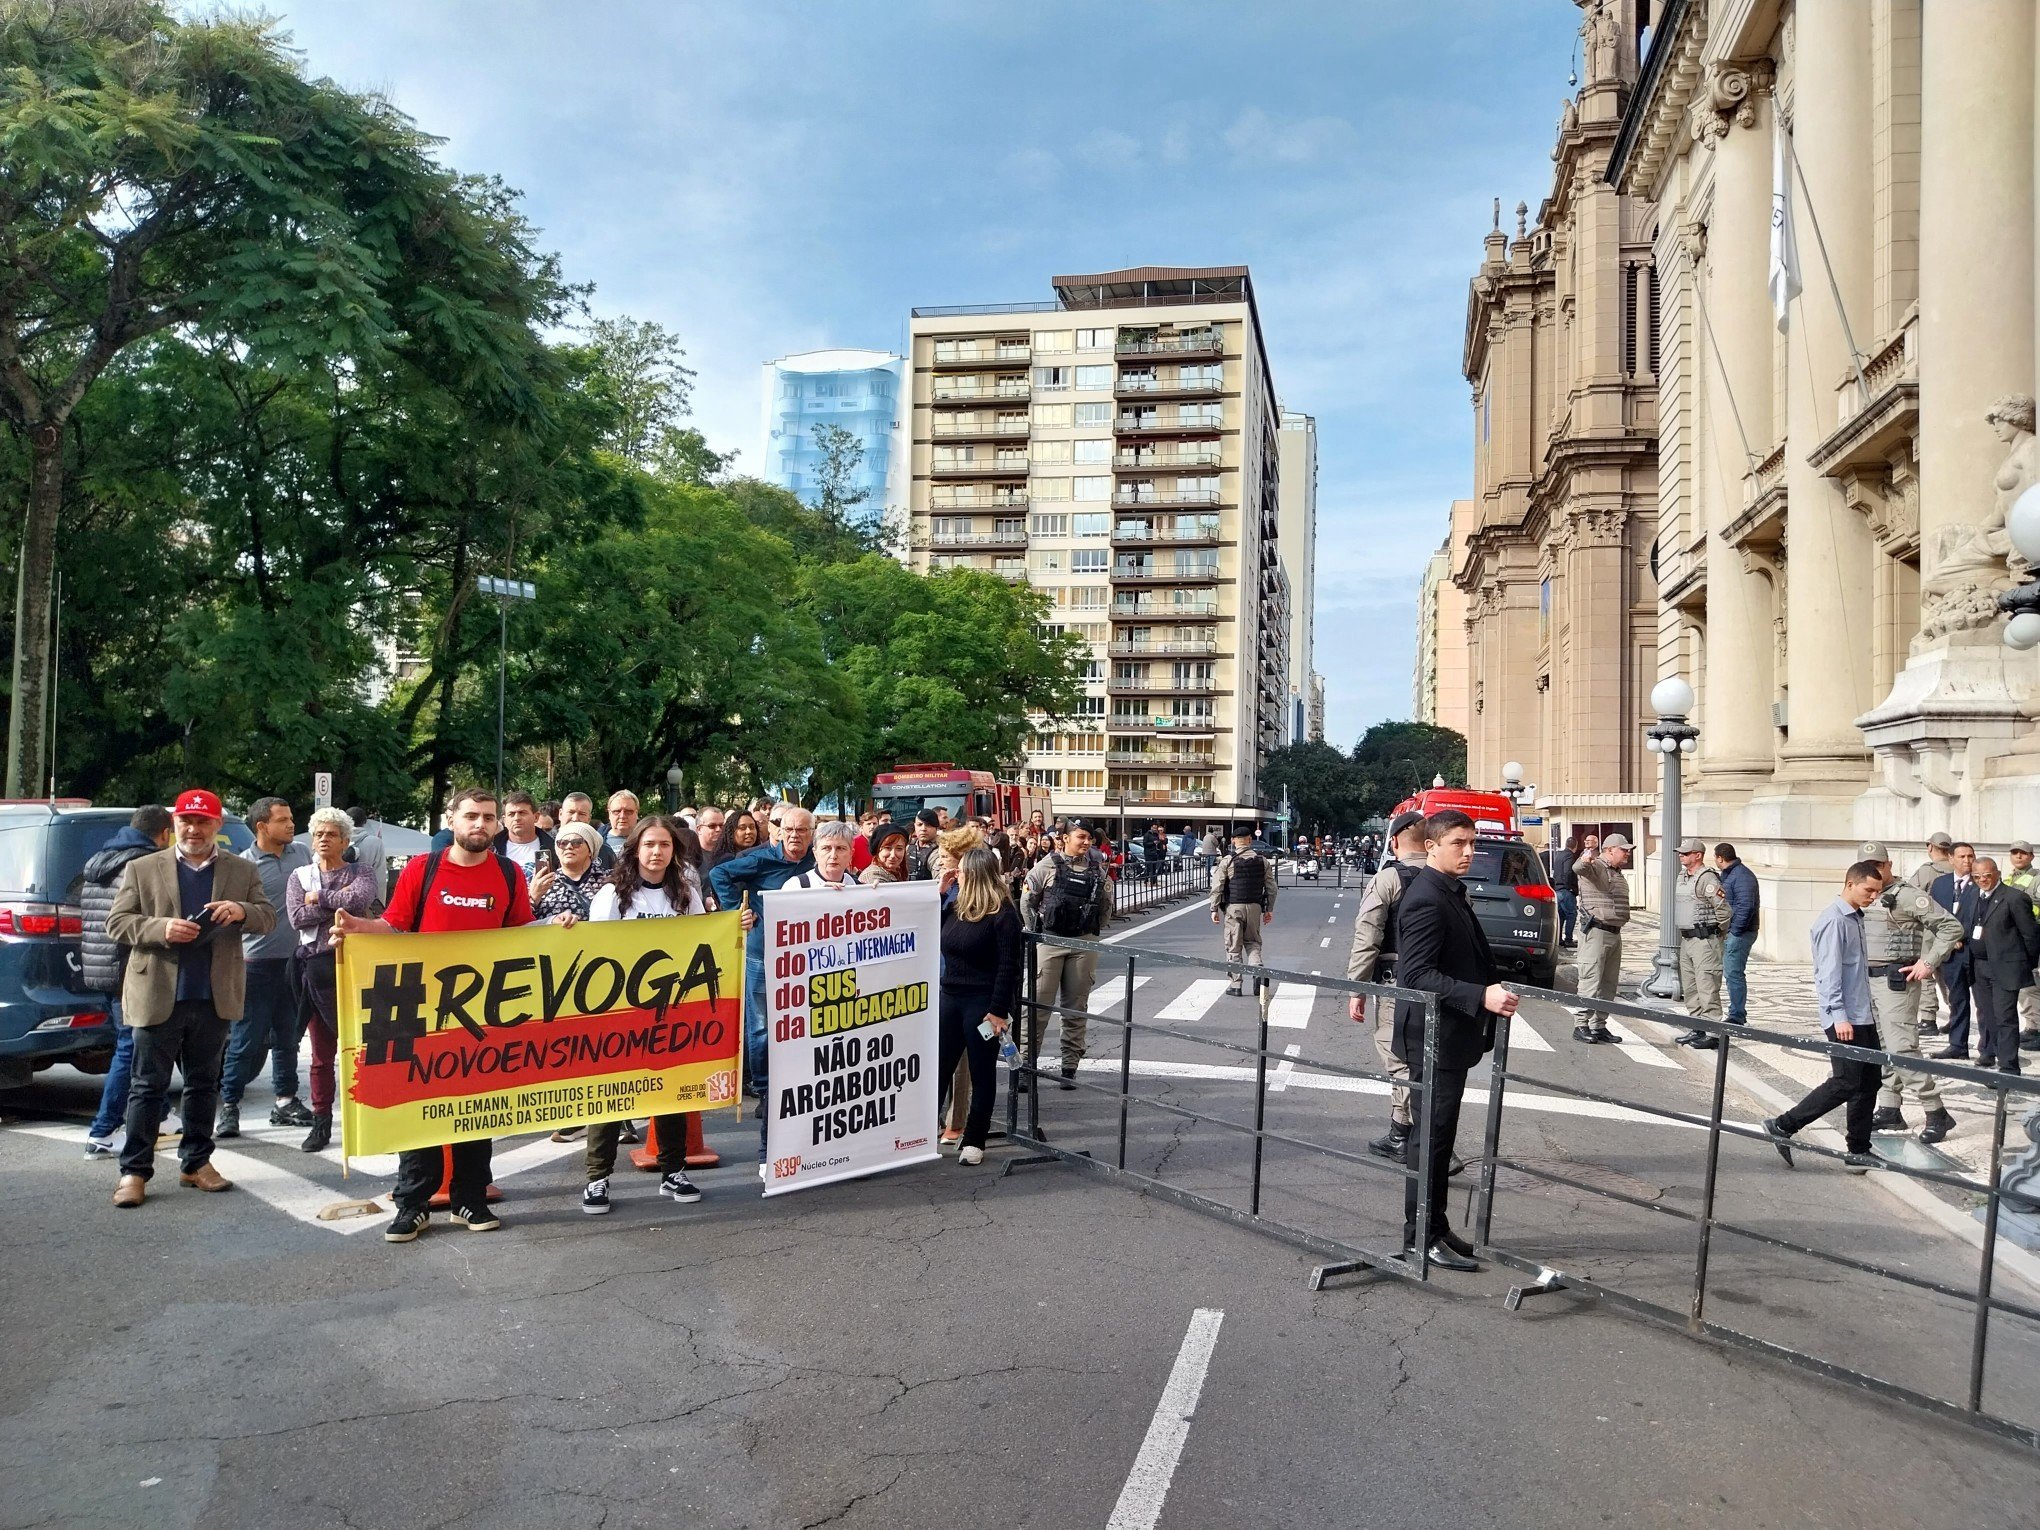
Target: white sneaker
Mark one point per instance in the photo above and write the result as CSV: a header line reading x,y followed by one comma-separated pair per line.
x,y
104,1147
970,1155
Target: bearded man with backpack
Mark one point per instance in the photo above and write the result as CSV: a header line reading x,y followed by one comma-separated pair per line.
x,y
1067,893
466,886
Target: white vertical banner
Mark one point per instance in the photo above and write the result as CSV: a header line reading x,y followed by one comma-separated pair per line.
x,y
851,1009
1784,277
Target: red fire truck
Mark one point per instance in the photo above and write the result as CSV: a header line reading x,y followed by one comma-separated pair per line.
x,y
1491,812
968,794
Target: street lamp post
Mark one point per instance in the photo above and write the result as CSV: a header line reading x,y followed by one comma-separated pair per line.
x,y
673,788
505,591
1673,737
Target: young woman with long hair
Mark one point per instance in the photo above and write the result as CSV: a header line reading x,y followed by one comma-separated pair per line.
x,y
981,959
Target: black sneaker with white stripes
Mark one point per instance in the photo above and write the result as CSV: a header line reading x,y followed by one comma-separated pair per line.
x,y
680,1187
476,1218
595,1199
406,1225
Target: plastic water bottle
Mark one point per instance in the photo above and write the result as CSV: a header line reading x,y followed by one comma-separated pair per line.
x,y
1007,1049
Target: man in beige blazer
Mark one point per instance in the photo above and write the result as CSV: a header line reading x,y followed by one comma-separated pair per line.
x,y
181,913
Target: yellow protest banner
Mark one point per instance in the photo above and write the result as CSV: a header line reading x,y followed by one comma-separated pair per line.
x,y
451,1036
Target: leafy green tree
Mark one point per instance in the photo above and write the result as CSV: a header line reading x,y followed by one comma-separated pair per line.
x,y
837,493
1394,759
165,174
1323,786
814,534
638,376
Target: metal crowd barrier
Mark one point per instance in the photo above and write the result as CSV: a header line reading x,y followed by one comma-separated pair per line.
x,y
1345,1256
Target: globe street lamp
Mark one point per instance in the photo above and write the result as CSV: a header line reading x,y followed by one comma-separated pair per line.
x,y
1673,737
2022,601
673,788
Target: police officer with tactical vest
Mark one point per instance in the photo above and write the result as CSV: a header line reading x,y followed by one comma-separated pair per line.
x,y
1372,960
1604,910
1243,900
1701,909
1906,937
1939,861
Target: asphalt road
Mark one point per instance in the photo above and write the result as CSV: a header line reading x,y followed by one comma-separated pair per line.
x,y
955,1347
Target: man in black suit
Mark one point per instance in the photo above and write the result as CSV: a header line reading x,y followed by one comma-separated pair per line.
x,y
1957,892
2004,945
1440,950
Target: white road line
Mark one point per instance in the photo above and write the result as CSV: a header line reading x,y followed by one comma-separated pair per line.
x,y
1523,1037
1284,1071
1636,1049
1111,993
1147,1485
1193,1001
1339,1083
1290,1007
1325,942
1198,907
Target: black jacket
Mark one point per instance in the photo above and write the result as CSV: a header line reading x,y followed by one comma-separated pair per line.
x,y
1440,949
2010,947
101,959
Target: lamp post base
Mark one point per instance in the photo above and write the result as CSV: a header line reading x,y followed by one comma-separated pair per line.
x,y
1663,982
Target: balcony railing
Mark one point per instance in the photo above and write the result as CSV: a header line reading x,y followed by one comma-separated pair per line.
x,y
1162,761
1171,497
1129,425
972,393
956,501
1137,534
1132,799
1136,385
1167,462
1163,648
972,539
1012,575
953,427
983,356
1162,687
980,467
1207,343
1118,724
1165,610
1182,573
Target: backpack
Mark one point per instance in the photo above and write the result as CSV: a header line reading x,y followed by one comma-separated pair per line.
x,y
511,877
1066,905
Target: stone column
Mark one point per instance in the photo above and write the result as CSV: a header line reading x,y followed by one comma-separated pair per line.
x,y
1737,745
1828,662
1976,250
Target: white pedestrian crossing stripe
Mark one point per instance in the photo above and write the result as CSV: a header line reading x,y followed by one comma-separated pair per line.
x,y
1290,1007
1194,1001
1523,1037
1111,993
1635,1048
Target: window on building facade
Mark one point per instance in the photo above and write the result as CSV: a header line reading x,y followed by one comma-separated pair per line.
x,y
1054,452
1050,525
1051,377
1093,488
1053,341
1048,488
1089,560
1094,377
1051,416
1094,339
1097,451
1094,414
1047,561
1088,525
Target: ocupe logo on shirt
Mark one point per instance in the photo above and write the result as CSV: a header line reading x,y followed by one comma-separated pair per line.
x,y
454,900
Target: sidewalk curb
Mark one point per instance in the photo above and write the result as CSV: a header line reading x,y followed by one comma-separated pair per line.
x,y
2010,1257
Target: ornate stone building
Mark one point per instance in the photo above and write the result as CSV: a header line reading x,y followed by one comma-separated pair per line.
x,y
1562,349
1832,487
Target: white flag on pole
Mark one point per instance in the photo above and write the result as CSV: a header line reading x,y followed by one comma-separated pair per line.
x,y
1784,246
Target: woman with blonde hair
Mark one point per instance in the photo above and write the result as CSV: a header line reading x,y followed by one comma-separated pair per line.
x,y
981,957
311,897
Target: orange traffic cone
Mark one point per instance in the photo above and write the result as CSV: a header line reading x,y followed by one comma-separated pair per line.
x,y
698,1154
442,1197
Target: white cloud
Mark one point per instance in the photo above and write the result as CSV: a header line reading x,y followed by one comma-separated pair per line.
x,y
1110,149
1254,135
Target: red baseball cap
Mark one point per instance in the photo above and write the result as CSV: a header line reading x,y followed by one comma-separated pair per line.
x,y
198,803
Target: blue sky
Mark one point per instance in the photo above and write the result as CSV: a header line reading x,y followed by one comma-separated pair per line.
x,y
767,176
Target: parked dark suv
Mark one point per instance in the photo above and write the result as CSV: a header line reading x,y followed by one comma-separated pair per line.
x,y
46,1015
1518,911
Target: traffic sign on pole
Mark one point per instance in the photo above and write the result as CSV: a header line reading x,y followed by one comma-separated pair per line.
x,y
322,789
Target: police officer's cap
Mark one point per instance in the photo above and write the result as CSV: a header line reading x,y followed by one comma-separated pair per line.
x,y
1940,840
1243,831
1871,850
1615,842
1402,821
2020,844
1691,846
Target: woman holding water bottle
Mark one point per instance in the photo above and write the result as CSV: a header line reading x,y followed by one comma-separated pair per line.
x,y
981,963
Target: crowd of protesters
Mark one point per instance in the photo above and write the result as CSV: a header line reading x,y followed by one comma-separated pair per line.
x,y
216,964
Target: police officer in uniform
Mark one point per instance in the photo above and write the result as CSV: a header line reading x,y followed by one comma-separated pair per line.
x,y
1906,937
1940,850
1604,910
1701,909
2026,878
1242,900
1372,960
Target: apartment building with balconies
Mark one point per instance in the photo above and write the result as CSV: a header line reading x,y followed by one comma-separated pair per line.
x,y
1117,448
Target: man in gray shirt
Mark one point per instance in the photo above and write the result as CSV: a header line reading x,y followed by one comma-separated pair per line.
x,y
273,1021
1841,988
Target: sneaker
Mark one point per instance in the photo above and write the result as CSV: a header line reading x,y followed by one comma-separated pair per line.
x,y
228,1123
595,1199
1779,1140
970,1155
570,1134
290,1112
103,1147
1862,1163
680,1187
477,1218
406,1225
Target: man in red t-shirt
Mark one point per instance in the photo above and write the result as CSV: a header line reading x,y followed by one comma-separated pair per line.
x,y
466,886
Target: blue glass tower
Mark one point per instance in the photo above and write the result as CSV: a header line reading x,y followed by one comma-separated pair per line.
x,y
858,391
